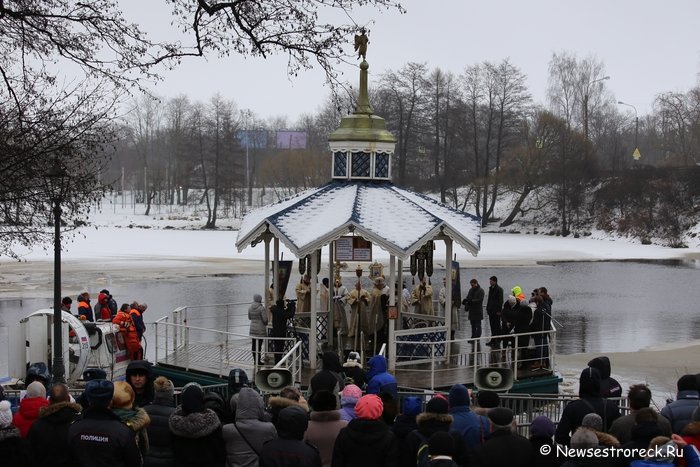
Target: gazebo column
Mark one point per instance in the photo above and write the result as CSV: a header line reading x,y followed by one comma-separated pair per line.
x,y
313,328
448,292
400,281
331,289
276,270
267,275
391,346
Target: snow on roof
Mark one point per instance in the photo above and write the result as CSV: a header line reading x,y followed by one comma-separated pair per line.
x,y
397,220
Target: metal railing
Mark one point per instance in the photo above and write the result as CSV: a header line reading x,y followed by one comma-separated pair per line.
x,y
293,361
425,349
211,350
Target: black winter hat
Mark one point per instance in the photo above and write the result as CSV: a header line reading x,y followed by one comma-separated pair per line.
x,y
99,392
292,422
502,416
441,444
193,398
487,399
437,404
324,401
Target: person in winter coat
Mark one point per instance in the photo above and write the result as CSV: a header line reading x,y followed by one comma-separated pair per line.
x,y
244,439
379,379
441,448
29,407
594,422
14,451
680,411
639,397
100,434
102,311
609,387
48,434
289,449
405,422
642,432
140,377
257,314
366,441
494,305
329,378
473,303
542,321
504,447
665,451
84,307
541,433
196,431
324,425
134,417
348,399
691,432
288,396
137,310
589,401
124,320
353,369
472,428
434,419
281,313
160,441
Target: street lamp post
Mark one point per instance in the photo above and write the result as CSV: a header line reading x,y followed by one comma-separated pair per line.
x,y
57,183
636,123
585,105
247,159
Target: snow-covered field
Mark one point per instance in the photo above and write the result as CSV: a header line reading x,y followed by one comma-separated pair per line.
x,y
124,233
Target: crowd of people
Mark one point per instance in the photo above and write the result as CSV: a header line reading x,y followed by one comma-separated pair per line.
x,y
352,417
128,316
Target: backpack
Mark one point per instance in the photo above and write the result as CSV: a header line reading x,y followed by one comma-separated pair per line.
x,y
423,454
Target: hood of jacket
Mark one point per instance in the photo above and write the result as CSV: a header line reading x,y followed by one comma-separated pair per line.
x,y
195,425
428,421
602,364
292,423
139,365
136,419
250,405
589,383
459,396
29,406
331,361
367,432
61,412
377,365
277,403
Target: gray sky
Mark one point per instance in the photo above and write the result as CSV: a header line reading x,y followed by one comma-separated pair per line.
x,y
648,47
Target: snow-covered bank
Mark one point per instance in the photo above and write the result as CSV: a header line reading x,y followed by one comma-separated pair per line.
x,y
144,246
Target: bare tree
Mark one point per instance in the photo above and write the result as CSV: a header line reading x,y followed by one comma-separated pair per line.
x,y
404,88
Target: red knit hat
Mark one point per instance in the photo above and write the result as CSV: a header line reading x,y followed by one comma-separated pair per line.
x,y
369,407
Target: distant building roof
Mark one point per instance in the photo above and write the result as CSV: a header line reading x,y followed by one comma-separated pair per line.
x,y
397,220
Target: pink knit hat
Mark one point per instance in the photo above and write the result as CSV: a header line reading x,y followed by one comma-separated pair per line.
x,y
369,407
351,391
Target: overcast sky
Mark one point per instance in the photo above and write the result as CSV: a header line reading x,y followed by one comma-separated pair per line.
x,y
648,47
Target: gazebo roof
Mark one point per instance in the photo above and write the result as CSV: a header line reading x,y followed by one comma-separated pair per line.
x,y
397,220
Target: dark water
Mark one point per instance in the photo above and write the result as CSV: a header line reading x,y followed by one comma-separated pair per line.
x,y
601,306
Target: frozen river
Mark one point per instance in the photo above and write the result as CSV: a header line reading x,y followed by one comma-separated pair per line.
x,y
615,306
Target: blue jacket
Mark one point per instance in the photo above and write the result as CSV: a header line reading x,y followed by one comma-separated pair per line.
x,y
379,379
471,427
690,455
680,411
